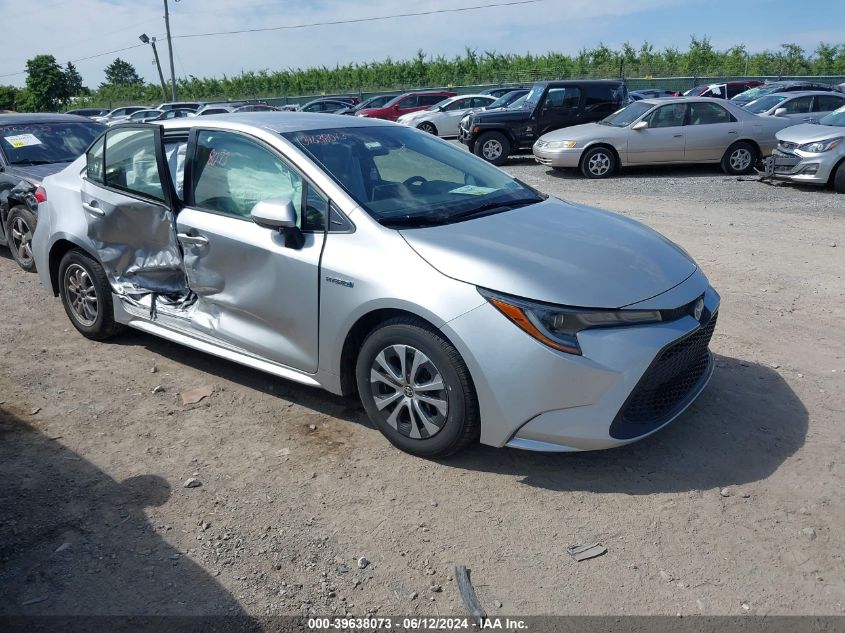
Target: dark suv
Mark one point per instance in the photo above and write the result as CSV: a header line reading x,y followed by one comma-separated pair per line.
x,y
550,105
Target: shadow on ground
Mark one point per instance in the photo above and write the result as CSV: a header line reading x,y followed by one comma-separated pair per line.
x,y
75,542
742,428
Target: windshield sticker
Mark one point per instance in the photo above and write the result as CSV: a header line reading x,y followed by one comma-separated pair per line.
x,y
324,138
23,140
472,190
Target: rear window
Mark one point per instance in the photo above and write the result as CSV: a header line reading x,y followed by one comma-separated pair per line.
x,y
46,143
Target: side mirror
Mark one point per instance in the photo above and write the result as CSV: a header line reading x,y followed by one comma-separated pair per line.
x,y
396,107
781,112
274,213
640,125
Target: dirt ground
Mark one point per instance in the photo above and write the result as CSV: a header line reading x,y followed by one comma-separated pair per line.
x,y
737,508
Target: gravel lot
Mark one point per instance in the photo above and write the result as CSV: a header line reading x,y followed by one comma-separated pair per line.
x,y
735,509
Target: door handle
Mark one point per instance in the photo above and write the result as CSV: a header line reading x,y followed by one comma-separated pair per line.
x,y
93,208
733,132
679,136
193,240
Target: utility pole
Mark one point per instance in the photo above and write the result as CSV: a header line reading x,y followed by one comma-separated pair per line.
x,y
170,50
152,42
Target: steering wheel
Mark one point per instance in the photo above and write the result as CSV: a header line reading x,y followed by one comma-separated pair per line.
x,y
418,181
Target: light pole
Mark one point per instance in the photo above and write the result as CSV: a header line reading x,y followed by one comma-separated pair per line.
x,y
152,42
170,50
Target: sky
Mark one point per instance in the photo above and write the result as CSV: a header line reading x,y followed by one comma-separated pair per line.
x,y
72,30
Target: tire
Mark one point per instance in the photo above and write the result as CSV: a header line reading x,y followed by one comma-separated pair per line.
x,y
839,178
428,126
20,226
493,147
739,159
87,296
598,162
432,430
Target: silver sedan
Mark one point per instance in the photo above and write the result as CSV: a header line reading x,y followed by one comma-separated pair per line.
x,y
444,118
365,257
664,131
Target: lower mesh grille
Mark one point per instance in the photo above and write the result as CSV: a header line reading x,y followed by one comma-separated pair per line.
x,y
666,385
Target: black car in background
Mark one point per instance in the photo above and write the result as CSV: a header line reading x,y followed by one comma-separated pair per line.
x,y
32,147
550,105
499,91
89,112
373,102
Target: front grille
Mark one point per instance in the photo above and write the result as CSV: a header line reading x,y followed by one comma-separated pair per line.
x,y
667,384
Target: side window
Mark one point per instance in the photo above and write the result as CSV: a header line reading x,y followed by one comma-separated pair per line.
x,y
316,208
799,105
708,114
232,173
478,102
430,100
408,102
563,98
828,103
668,116
601,100
94,161
460,104
131,164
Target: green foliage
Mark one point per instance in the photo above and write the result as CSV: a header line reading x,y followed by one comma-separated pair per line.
x,y
8,97
700,60
73,80
46,85
121,73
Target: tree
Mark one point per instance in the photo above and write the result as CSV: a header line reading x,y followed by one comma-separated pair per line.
x,y
46,84
121,73
73,81
8,97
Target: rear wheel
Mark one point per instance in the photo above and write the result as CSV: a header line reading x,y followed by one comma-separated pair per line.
x,y
417,389
598,162
428,126
86,296
839,178
493,147
739,159
20,225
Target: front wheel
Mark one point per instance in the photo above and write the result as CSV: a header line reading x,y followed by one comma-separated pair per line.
x,y
20,225
598,162
417,389
86,296
493,147
739,159
427,126
839,178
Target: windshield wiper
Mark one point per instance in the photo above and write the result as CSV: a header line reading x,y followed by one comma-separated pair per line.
x,y
412,221
494,207
36,162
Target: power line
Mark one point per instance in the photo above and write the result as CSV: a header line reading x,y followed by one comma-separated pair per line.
x,y
82,59
359,20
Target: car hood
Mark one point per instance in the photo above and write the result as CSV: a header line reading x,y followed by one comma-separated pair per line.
x,y
501,116
35,173
809,133
557,252
585,132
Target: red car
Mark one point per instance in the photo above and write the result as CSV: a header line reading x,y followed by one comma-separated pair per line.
x,y
724,90
405,103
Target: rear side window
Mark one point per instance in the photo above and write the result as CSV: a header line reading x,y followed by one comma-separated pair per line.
x,y
708,114
799,105
602,99
428,100
829,103
94,161
130,162
409,102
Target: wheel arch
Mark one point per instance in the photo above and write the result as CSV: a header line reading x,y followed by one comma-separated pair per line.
x,y
757,149
58,250
835,169
429,122
606,145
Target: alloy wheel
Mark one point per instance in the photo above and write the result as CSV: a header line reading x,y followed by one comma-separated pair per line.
x,y
740,159
599,164
491,149
81,295
427,127
409,391
22,239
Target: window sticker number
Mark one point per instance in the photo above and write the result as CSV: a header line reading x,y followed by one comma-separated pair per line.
x,y
23,140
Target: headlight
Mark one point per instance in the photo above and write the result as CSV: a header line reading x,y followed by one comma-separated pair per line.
x,y
821,146
561,144
558,326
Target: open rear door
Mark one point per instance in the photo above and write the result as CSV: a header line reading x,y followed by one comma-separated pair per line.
x,y
129,204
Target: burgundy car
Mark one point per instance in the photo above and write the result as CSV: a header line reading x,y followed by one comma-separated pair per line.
x,y
405,103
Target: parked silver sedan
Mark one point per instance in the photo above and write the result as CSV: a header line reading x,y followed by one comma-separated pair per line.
x,y
444,118
363,256
664,131
800,107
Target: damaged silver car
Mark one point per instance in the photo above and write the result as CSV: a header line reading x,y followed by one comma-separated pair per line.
x,y
366,257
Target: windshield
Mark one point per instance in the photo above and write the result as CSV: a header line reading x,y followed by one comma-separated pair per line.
x,y
44,143
534,94
402,177
694,92
756,93
519,103
764,104
627,115
502,101
835,119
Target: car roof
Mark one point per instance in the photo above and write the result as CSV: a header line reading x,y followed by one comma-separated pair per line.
x,y
804,93
278,122
41,117
579,82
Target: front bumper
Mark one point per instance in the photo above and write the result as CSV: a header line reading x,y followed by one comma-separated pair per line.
x,y
557,157
798,166
536,398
